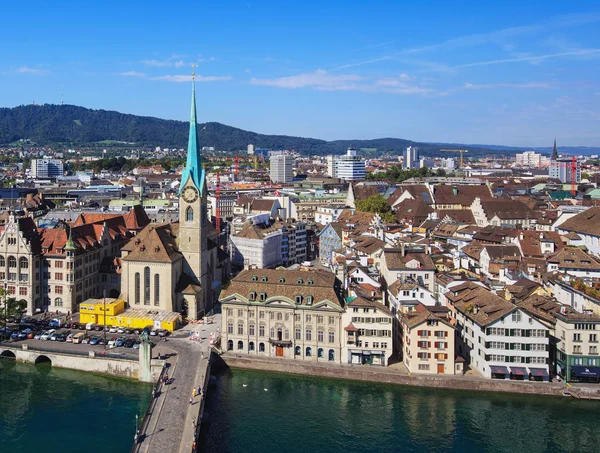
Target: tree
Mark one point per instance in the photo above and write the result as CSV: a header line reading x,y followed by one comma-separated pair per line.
x,y
377,204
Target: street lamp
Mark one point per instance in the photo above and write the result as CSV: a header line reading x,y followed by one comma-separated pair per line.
x,y
104,326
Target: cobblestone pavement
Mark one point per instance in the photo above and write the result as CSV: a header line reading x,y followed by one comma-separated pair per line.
x,y
173,421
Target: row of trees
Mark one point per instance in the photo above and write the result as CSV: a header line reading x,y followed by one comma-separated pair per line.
x,y
377,204
398,174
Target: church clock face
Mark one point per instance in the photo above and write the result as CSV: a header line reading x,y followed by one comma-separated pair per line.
x,y
190,194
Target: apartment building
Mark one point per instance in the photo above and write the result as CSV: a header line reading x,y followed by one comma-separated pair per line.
x,y
497,338
428,342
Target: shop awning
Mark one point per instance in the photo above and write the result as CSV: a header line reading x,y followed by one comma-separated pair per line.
x,y
538,372
519,371
499,369
586,371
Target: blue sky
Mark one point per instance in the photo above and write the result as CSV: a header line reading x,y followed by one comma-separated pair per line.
x,y
512,73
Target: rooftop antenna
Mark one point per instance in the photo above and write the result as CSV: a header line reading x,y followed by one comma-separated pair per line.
x,y
193,65
62,95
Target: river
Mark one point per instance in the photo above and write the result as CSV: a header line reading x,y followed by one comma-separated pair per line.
x,y
52,409
248,411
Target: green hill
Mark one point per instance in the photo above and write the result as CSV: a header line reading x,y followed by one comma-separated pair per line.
x,y
72,125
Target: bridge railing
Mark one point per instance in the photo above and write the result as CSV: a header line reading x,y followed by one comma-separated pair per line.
x,y
98,355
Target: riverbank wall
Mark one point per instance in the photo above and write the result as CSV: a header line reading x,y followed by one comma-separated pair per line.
x,y
92,363
382,375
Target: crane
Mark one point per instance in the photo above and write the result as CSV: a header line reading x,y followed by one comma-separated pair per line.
x,y
461,151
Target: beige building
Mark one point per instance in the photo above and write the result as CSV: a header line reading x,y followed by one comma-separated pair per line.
x,y
406,266
282,313
55,269
428,343
177,266
369,333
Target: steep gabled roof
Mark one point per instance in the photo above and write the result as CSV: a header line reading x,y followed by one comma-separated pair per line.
x,y
586,222
155,243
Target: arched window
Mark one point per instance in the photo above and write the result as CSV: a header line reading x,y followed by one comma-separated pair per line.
x,y
308,352
189,214
252,296
272,332
263,297
146,285
280,334
240,345
156,289
279,316
2,261
23,263
331,355
137,287
261,347
298,299
297,350
230,345
230,328
58,302
320,353
12,261
251,346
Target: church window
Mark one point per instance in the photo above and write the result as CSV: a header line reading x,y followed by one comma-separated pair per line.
x,y
146,285
189,214
156,289
263,296
137,287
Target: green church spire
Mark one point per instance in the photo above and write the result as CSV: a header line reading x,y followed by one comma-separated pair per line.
x,y
193,165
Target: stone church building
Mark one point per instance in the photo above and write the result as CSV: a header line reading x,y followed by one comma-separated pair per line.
x,y
177,266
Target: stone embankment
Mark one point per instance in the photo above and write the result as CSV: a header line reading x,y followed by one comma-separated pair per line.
x,y
383,375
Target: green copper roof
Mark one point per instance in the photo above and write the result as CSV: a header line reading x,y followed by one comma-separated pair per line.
x,y
70,245
193,165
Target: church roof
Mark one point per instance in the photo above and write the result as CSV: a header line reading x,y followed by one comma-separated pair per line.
x,y
155,243
193,166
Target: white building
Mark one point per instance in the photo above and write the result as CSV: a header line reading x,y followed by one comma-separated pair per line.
x,y
411,157
282,168
350,166
251,150
562,169
325,215
331,166
497,338
46,168
530,159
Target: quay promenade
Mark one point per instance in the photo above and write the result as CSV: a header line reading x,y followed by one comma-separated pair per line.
x,y
172,424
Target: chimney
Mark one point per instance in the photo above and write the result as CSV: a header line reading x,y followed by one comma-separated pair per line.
x,y
402,247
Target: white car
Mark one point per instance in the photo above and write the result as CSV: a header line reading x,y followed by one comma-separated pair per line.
x,y
121,330
47,334
69,338
39,335
113,329
153,332
111,342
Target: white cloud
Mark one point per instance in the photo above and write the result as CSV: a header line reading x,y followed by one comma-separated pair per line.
x,y
536,59
157,63
188,78
132,74
472,86
319,80
32,71
324,81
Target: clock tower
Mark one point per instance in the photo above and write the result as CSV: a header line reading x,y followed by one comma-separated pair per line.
x,y
192,204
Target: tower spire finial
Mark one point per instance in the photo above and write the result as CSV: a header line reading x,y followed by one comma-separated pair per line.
x,y
193,166
554,151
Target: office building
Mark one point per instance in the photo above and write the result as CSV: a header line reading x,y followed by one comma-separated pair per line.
x,y
350,166
251,150
411,157
46,168
565,170
282,166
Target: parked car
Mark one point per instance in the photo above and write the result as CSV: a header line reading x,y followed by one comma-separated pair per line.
x,y
55,323
128,343
101,341
153,332
38,335
136,332
127,332
119,342
69,338
47,334
163,333
113,329
15,335
90,326
111,342
62,337
86,339
98,328
94,340
53,336
30,335
137,344
121,329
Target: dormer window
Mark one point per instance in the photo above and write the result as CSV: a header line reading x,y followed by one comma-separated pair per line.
x,y
309,300
263,296
264,278
252,296
309,281
300,281
281,280
298,299
255,278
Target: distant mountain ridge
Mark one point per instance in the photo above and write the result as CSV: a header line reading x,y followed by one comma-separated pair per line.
x,y
73,125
